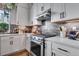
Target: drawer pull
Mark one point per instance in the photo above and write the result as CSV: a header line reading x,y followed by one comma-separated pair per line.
x,y
11,42
63,50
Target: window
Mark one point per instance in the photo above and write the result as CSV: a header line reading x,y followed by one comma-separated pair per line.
x,y
4,16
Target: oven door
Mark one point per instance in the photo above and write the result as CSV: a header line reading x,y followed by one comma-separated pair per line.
x,y
36,49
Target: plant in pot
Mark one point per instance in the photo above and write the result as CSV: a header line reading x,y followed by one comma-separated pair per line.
x,y
4,27
10,6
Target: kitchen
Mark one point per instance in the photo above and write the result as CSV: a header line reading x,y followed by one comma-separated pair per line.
x,y
39,29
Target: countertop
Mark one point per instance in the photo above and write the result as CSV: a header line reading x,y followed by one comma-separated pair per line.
x,y
65,41
12,34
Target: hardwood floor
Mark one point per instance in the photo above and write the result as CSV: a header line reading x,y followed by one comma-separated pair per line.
x,y
19,53
23,53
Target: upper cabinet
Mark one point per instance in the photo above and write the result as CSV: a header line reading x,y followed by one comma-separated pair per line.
x,y
34,13
72,10
64,11
23,14
58,7
24,5
47,6
36,10
41,7
57,11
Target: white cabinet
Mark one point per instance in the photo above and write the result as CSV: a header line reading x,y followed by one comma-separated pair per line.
x,y
10,44
18,43
6,45
21,42
58,11
24,5
72,10
57,53
40,8
34,14
48,48
15,46
47,6
35,10
61,49
19,15
31,14
22,15
64,11
58,7
28,42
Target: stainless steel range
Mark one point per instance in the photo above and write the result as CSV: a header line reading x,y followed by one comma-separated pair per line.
x,y
37,45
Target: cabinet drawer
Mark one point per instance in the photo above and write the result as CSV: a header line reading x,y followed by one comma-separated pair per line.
x,y
57,53
67,50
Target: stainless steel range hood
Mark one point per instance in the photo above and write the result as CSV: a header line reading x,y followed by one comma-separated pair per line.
x,y
45,15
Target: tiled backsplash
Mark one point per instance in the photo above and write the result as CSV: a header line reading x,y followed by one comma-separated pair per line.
x,y
72,25
12,27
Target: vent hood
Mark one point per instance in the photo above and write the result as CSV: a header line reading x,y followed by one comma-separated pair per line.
x,y
45,15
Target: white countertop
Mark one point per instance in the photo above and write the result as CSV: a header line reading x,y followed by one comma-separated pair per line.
x,y
11,34
66,41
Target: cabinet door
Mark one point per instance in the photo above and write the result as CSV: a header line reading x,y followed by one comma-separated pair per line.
x,y
22,15
31,14
72,10
48,49
58,7
16,43
57,53
58,11
6,45
35,9
22,42
24,5
28,43
40,8
46,6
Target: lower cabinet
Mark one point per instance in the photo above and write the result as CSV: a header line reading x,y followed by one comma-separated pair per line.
x,y
60,49
28,43
10,44
57,53
19,43
48,48
6,45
